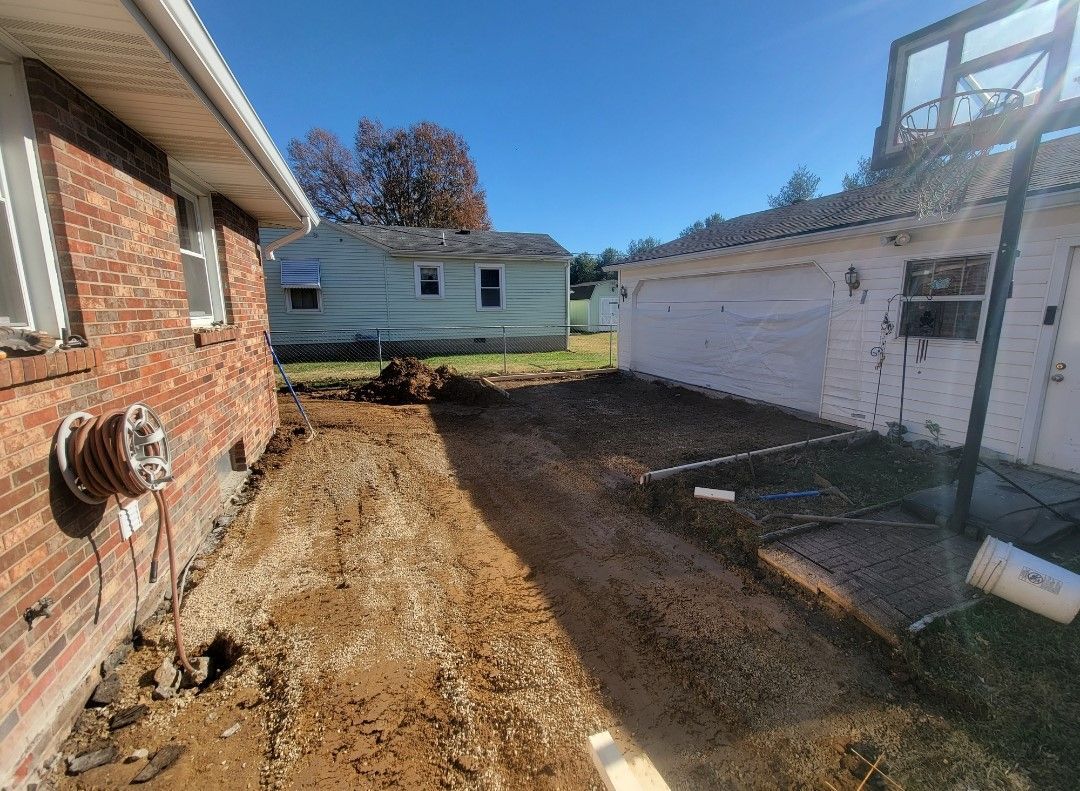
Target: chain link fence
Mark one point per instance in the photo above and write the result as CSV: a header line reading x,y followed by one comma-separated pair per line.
x,y
328,356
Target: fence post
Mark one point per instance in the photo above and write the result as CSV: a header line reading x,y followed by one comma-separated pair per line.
x,y
378,336
505,371
610,346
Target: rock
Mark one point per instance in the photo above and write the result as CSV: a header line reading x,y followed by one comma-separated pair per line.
x,y
163,693
137,755
115,657
128,716
923,445
199,564
162,760
92,758
201,665
107,691
167,675
232,730
223,521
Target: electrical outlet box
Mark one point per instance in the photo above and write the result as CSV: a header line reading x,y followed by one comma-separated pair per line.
x,y
130,519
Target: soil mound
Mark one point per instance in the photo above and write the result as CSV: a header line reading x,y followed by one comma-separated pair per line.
x,y
406,380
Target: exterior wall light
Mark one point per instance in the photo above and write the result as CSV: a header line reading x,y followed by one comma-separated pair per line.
x,y
622,293
851,277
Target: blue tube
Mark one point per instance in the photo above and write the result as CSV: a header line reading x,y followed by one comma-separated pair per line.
x,y
285,376
791,495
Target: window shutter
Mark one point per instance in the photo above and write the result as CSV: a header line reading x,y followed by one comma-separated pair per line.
x,y
300,274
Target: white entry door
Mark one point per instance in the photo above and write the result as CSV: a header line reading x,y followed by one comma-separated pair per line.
x,y
609,311
1059,433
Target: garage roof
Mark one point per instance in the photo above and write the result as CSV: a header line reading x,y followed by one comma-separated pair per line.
x,y
152,64
399,240
1057,168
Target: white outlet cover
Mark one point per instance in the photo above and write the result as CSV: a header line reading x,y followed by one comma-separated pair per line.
x,y
130,519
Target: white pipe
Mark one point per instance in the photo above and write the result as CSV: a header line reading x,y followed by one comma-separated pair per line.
x,y
667,472
292,236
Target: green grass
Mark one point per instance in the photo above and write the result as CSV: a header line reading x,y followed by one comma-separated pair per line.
x,y
1009,677
585,352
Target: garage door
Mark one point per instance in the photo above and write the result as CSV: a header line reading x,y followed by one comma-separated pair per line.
x,y
759,334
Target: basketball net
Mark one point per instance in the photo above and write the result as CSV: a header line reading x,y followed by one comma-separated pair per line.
x,y
943,162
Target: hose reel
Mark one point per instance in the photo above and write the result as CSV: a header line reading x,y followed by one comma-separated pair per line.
x,y
126,452
123,454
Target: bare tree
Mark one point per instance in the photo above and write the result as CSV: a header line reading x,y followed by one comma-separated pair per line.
x,y
422,176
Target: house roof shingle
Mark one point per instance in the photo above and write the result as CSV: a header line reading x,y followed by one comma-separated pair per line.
x,y
1056,168
400,240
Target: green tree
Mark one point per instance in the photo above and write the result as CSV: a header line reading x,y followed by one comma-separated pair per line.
x,y
585,268
802,185
643,245
700,225
866,176
609,257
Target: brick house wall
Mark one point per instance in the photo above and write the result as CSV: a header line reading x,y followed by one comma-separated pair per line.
x,y
111,210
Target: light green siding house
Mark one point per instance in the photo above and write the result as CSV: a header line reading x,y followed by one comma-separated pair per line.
x,y
594,307
359,290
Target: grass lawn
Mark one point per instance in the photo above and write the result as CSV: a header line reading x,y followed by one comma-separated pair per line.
x,y
1009,677
586,351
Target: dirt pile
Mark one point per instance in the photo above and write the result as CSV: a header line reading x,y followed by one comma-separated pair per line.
x,y
406,380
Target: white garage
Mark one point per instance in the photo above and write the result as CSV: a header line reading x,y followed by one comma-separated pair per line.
x,y
760,334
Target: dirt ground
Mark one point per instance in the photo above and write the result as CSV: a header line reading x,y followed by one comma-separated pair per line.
x,y
454,596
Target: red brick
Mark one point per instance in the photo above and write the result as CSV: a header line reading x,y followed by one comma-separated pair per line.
x,y
110,198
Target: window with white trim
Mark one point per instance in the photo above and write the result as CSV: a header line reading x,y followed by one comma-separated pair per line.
x,y
945,297
30,291
302,283
490,287
198,253
429,280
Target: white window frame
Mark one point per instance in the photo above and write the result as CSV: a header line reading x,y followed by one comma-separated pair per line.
x,y
23,204
288,299
199,195
502,286
417,266
982,299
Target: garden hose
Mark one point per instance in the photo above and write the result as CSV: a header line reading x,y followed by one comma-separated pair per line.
x,y
123,454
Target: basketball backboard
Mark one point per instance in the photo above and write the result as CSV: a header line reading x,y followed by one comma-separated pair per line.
x,y
1017,61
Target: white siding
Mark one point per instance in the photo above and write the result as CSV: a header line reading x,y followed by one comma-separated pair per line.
x,y
940,388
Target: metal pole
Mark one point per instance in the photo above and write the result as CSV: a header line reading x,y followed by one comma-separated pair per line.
x,y
505,371
378,335
1027,146
903,378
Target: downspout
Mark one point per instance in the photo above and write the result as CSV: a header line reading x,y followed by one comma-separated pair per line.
x,y
292,236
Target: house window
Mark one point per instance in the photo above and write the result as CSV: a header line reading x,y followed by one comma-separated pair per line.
x,y
302,283
945,297
303,299
490,287
198,253
30,291
429,280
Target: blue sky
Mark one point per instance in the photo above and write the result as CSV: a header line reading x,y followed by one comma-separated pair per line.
x,y
596,122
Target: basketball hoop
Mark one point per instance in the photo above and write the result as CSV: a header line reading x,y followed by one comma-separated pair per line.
x,y
946,138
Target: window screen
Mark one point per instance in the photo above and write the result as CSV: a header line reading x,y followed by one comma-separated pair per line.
x,y
491,288
946,297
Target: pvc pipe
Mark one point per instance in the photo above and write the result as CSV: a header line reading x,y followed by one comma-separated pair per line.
x,y
667,472
1026,580
791,495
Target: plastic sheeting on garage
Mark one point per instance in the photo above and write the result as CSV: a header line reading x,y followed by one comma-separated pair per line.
x,y
760,334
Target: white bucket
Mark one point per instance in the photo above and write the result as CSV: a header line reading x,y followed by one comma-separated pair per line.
x,y
1031,582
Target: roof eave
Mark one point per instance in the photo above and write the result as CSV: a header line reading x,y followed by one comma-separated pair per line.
x,y
177,30
1043,199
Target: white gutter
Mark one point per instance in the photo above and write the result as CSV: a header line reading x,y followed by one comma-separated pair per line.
x,y
979,211
303,230
176,29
